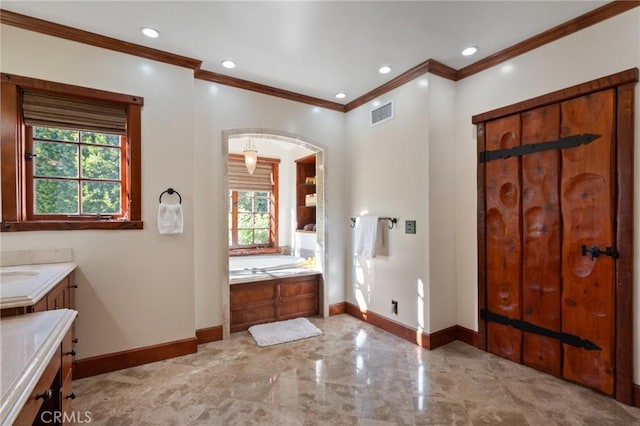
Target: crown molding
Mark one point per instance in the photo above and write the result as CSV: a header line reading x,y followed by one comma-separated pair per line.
x,y
267,90
432,66
429,66
600,14
57,30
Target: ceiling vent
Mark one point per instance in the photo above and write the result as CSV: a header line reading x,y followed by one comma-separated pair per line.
x,y
382,113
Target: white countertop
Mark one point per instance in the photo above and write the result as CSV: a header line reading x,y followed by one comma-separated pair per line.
x,y
24,285
27,344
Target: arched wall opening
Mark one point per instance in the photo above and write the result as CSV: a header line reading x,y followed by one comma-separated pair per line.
x,y
267,137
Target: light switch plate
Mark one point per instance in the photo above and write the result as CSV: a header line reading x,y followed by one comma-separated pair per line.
x,y
410,226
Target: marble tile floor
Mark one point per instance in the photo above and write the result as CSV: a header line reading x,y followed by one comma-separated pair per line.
x,y
354,374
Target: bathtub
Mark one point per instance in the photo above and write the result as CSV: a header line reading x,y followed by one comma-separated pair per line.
x,y
244,269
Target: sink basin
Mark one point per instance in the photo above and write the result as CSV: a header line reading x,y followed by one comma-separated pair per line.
x,y
10,276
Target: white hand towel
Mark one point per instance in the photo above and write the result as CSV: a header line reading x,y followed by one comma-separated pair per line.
x,y
365,236
170,218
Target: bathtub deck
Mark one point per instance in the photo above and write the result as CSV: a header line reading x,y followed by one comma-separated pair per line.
x,y
274,299
249,276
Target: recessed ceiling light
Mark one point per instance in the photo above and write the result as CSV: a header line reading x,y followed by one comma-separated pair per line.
x,y
470,50
386,69
150,32
228,64
341,95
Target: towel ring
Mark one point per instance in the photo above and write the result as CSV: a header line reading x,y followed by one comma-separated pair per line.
x,y
170,191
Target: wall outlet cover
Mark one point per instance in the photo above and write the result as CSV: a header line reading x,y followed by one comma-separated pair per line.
x,y
410,226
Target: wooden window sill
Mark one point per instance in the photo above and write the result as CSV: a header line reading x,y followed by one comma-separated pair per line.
x,y
65,225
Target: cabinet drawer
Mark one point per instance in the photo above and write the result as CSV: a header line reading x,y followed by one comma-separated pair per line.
x,y
299,287
11,312
46,383
71,291
300,306
66,397
256,315
68,353
246,294
57,297
40,306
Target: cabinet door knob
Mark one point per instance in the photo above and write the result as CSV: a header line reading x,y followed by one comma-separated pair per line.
x,y
72,352
74,286
72,395
75,340
46,395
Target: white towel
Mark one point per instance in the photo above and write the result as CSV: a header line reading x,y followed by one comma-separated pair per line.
x,y
365,236
170,218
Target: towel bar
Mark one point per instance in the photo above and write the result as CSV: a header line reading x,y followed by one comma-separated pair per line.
x,y
392,221
170,191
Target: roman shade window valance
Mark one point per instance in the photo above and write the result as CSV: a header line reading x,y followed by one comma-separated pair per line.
x,y
46,110
241,180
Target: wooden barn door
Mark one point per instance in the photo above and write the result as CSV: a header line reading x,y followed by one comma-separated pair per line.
x,y
547,184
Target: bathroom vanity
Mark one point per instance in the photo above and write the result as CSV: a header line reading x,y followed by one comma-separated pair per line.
x,y
37,347
35,288
36,353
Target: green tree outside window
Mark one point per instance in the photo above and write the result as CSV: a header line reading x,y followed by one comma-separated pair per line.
x,y
77,172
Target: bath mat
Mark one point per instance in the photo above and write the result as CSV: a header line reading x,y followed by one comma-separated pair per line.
x,y
278,332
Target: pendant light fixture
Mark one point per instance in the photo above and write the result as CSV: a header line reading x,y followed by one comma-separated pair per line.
x,y
250,156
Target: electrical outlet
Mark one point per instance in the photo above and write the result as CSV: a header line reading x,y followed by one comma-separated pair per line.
x,y
410,226
394,307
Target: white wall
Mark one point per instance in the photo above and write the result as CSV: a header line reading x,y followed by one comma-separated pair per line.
x,y
389,176
405,168
221,108
442,284
136,287
606,48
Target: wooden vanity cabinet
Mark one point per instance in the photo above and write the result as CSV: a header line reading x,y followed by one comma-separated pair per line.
x,y
59,373
61,296
43,397
40,306
66,393
57,297
273,300
50,401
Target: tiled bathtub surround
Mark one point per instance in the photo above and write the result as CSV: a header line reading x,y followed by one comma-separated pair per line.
x,y
33,257
353,374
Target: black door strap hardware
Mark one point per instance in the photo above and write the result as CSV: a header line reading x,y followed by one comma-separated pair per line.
x,y
562,143
595,251
569,339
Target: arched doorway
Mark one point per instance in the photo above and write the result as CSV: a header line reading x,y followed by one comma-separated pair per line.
x,y
268,137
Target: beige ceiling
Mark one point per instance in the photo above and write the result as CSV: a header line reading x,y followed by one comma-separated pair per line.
x,y
316,48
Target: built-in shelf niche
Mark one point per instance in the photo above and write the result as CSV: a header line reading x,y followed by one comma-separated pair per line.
x,y
305,189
